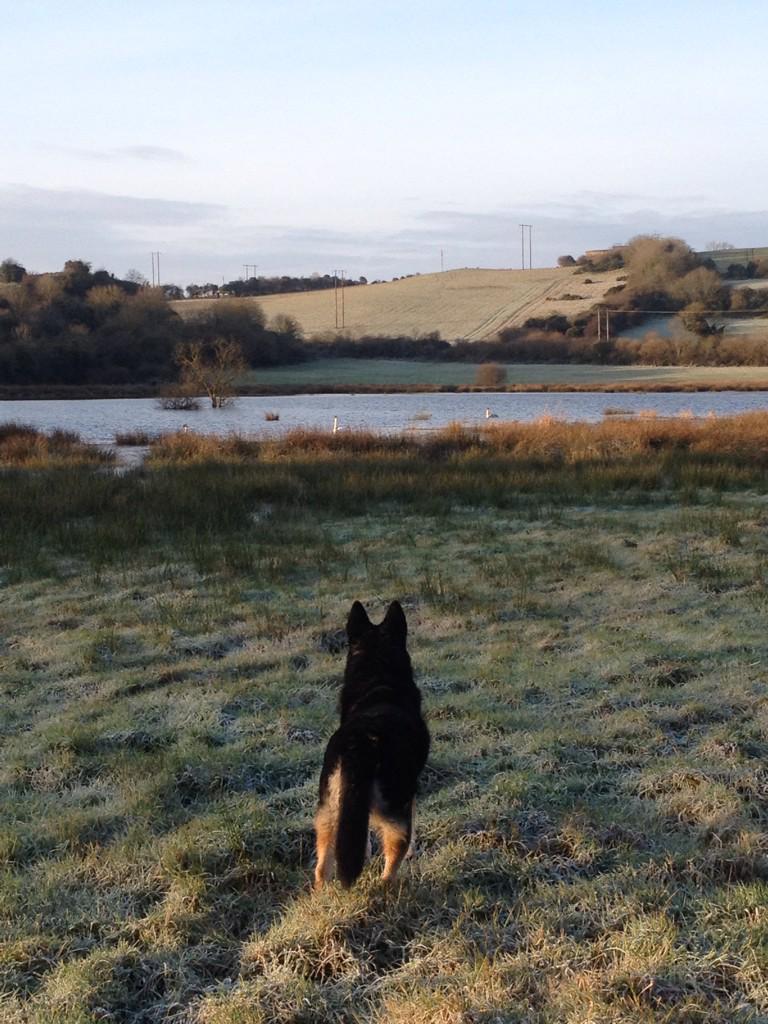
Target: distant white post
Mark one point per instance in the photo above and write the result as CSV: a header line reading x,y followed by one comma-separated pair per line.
x,y
523,229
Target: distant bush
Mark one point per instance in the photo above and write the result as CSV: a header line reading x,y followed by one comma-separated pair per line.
x,y
611,259
134,438
11,272
177,400
25,446
555,322
490,375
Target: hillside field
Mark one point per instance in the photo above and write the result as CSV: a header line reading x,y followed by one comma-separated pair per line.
x,y
471,304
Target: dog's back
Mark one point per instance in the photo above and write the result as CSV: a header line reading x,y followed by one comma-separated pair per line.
x,y
373,760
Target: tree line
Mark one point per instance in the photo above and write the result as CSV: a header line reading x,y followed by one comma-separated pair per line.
x,y
252,287
79,326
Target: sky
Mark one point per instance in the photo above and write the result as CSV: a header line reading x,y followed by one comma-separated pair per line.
x,y
307,136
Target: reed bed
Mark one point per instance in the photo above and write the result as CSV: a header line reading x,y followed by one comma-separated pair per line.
x,y
22,446
547,440
135,438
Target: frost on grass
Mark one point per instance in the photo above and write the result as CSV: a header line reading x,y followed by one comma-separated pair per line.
x,y
591,827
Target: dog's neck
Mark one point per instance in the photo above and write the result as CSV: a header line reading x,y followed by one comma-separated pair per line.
x,y
370,681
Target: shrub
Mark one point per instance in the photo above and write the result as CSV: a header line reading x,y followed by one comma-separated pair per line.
x,y
490,375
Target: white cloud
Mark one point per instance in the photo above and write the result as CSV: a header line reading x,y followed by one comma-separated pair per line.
x,y
153,154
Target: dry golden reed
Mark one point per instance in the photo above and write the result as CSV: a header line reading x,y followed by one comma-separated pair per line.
x,y
547,438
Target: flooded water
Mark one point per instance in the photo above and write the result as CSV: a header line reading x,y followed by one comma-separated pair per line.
x,y
98,420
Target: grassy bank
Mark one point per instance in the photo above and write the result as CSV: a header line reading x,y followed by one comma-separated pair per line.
x,y
72,392
587,610
390,373
323,376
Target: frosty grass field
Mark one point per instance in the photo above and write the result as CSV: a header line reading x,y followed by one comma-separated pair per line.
x,y
587,612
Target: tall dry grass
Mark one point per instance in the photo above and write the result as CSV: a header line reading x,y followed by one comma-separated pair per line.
x,y
22,446
206,496
548,439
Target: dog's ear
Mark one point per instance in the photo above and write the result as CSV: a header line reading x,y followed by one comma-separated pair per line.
x,y
394,624
357,622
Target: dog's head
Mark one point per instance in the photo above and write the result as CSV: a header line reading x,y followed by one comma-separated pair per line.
x,y
362,633
377,656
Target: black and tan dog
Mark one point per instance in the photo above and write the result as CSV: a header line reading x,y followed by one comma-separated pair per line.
x,y
373,760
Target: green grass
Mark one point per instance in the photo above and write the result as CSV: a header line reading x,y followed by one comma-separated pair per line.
x,y
409,373
592,821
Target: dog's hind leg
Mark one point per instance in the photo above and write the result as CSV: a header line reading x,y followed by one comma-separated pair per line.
x,y
326,826
325,836
412,845
396,838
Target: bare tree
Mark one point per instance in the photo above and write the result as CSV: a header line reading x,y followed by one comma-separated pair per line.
x,y
212,368
136,277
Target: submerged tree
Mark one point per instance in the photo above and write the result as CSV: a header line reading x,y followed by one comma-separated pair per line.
x,y
212,368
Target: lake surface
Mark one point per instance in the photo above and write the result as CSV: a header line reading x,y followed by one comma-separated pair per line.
x,y
98,420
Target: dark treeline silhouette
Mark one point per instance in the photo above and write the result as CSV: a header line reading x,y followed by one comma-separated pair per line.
x,y
525,345
255,286
80,326
745,271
